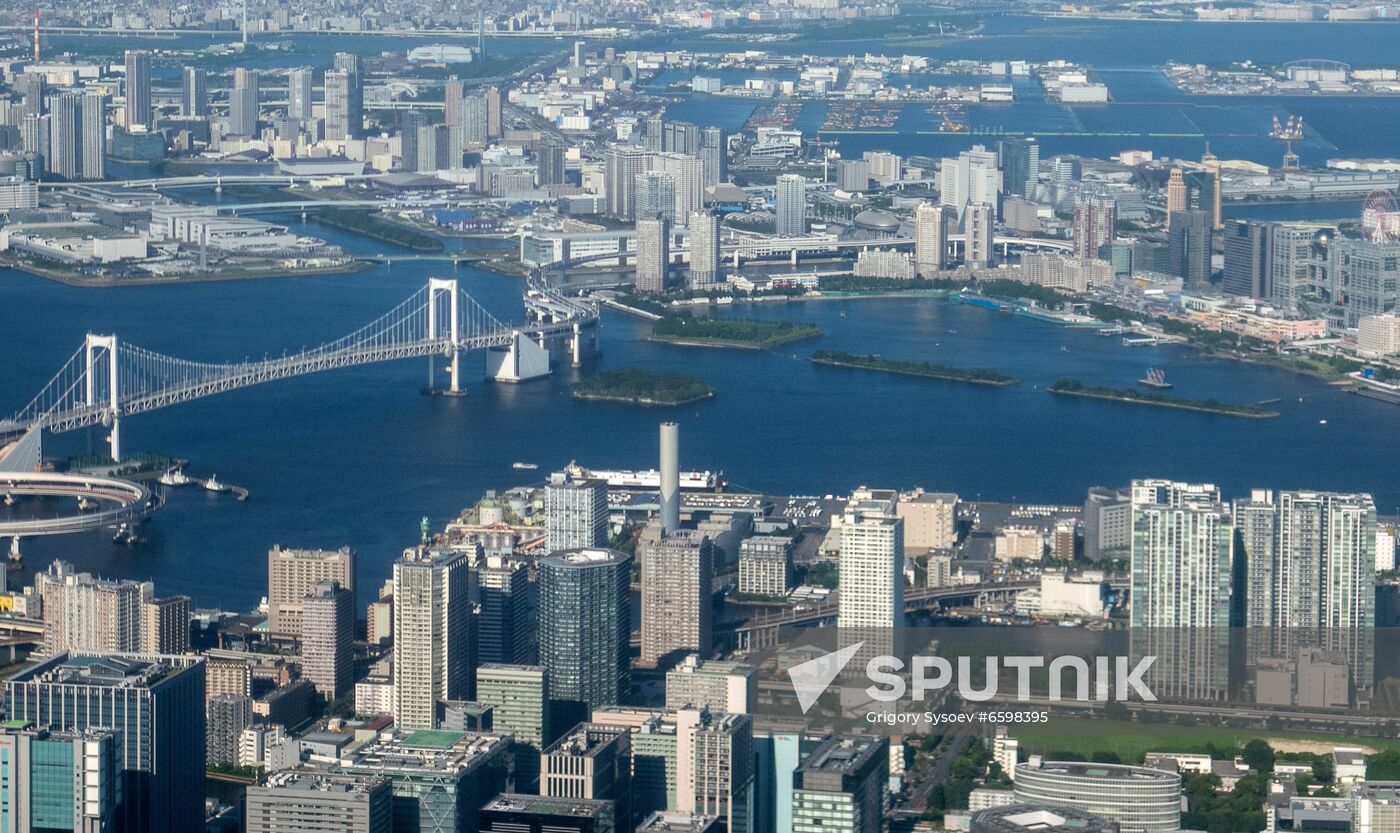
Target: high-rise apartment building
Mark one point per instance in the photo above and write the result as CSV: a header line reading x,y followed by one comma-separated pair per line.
x,y
433,640
94,135
138,113
1095,221
1181,558
243,103
327,637
154,705
225,718
792,205
576,512
621,166
549,164
586,625
354,107
291,573
765,565
930,239
83,613
1309,577
194,92
519,699
299,85
340,108
655,195
980,219
165,623
704,249
677,583
872,564
653,253
714,155
688,190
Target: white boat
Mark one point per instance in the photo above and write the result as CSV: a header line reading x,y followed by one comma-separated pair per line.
x,y
1322,422
174,476
524,466
213,484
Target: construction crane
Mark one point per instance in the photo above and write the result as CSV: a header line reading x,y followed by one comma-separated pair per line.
x,y
1288,133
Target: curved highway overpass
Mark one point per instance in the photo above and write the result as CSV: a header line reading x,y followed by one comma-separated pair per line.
x,y
120,501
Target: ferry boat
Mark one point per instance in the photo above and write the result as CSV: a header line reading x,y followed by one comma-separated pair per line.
x,y
1155,378
524,466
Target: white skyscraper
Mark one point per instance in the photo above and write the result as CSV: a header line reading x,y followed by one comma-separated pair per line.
x,y
576,512
872,563
243,103
792,205
433,644
621,165
930,239
704,248
1310,574
970,178
688,173
94,130
1181,560
655,195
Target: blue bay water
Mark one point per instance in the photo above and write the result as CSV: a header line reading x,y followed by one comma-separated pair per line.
x,y
356,456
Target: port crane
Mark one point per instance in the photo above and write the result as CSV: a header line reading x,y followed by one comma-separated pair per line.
x,y
1288,132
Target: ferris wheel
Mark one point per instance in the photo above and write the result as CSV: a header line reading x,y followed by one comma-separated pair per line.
x,y
1380,218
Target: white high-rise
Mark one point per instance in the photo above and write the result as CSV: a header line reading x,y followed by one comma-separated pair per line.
x,y
930,239
704,248
792,206
872,563
1310,573
621,165
1181,560
972,177
688,175
655,195
433,644
576,512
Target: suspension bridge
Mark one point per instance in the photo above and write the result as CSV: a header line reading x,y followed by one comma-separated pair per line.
x,y
108,379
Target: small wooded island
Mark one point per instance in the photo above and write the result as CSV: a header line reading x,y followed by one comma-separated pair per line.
x,y
634,386
742,333
976,376
1074,387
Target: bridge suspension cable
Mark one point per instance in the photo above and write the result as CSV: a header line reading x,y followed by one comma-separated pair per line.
x,y
106,379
